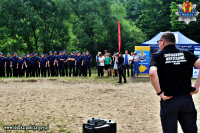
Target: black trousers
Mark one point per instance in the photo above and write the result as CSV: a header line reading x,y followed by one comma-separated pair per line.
x,y
56,70
78,68
61,69
48,71
179,108
8,71
24,70
52,69
34,69
43,70
100,70
121,74
66,68
38,70
87,66
70,69
20,70
127,67
1,70
15,71
28,70
83,69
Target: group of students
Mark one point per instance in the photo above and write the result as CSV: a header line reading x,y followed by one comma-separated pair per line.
x,y
106,60
54,64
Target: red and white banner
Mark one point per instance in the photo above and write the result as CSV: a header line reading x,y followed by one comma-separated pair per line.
x,y
119,37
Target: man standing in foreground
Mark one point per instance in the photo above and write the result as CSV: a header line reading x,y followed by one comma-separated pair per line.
x,y
170,76
120,61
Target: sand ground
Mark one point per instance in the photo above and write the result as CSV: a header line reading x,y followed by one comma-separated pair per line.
x,y
66,104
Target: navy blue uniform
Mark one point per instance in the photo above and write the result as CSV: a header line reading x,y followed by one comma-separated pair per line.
x,y
34,65
65,64
78,64
83,67
51,62
47,68
38,69
61,65
24,67
28,64
43,62
71,65
2,68
20,70
8,68
87,64
14,65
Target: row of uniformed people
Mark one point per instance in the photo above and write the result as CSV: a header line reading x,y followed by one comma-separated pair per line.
x,y
51,63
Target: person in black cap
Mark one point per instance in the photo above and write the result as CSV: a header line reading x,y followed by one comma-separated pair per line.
x,y
2,65
78,63
43,64
88,59
8,64
51,63
20,63
27,62
83,67
47,68
34,61
170,77
65,62
56,64
72,64
120,61
60,60
14,64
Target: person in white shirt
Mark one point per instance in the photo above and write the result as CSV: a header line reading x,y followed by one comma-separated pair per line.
x,y
131,63
101,61
136,64
126,62
115,57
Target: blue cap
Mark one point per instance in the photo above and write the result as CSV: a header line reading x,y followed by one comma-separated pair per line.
x,y
55,52
42,54
46,54
64,50
79,52
24,55
72,52
36,54
20,56
1,54
76,52
50,51
8,53
60,51
87,51
83,52
27,54
14,53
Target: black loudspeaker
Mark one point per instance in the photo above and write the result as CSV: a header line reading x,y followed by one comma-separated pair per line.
x,y
98,125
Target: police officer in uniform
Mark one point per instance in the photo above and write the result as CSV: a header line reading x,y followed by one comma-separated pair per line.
x,y
83,67
24,68
27,62
43,64
47,68
71,64
34,61
2,65
51,63
60,60
38,69
14,64
79,63
8,64
120,61
20,64
65,62
170,76
88,59
56,63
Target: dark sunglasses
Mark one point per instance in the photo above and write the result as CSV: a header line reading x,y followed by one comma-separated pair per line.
x,y
158,41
